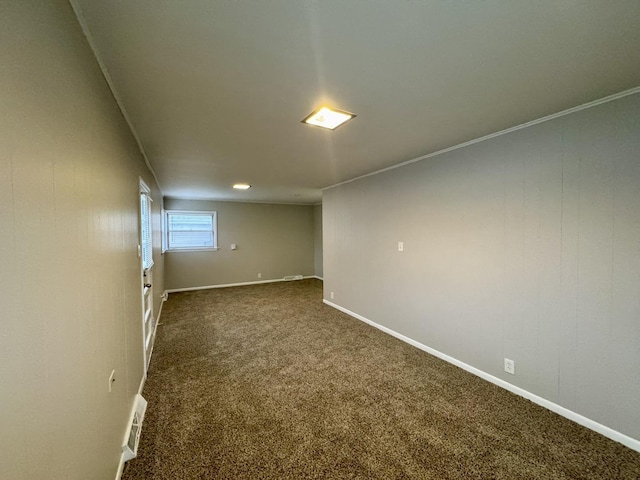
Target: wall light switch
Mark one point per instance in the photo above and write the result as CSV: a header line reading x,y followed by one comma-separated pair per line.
x,y
401,246
234,246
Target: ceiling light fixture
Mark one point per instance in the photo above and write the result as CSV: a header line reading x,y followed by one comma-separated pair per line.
x,y
326,117
242,186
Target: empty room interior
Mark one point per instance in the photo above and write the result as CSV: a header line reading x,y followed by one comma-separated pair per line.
x,y
319,239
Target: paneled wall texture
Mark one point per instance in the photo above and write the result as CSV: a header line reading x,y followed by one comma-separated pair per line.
x,y
70,286
525,246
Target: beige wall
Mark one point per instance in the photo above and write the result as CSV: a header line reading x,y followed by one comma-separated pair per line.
x,y
274,240
70,278
317,239
524,246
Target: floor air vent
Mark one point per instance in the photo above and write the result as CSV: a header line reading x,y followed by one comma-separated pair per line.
x,y
130,449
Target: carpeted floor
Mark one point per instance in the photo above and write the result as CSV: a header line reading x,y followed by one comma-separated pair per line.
x,y
266,382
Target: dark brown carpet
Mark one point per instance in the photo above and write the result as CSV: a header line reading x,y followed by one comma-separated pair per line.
x,y
266,382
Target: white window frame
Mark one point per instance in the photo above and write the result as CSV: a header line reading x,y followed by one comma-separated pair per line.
x,y
163,227
146,226
214,225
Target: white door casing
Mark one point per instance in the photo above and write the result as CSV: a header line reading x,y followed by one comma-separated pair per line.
x,y
146,268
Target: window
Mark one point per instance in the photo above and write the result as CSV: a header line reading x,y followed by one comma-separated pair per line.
x,y
146,242
191,230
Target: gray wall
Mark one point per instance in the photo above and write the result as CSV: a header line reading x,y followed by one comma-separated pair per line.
x,y
274,240
524,246
317,239
70,278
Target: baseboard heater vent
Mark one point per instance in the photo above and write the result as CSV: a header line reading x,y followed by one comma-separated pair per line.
x,y
288,278
130,449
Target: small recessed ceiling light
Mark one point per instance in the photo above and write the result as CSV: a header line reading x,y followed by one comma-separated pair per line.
x,y
328,118
242,186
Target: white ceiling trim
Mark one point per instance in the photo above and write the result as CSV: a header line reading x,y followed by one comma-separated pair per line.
x,y
214,200
553,116
83,25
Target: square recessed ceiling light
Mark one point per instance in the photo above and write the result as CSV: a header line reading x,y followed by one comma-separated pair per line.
x,y
328,118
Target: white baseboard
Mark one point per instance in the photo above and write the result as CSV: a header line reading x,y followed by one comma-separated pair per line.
x,y
627,441
141,386
120,468
225,285
316,276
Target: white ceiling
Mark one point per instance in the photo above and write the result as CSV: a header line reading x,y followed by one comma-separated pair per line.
x,y
215,89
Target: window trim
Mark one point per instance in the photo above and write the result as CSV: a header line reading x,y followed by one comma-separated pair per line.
x,y
214,224
163,230
146,226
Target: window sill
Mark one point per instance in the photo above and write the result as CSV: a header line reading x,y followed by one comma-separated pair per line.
x,y
178,250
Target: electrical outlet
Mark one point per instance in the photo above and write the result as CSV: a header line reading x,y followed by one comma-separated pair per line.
x,y
259,275
331,295
509,366
112,378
